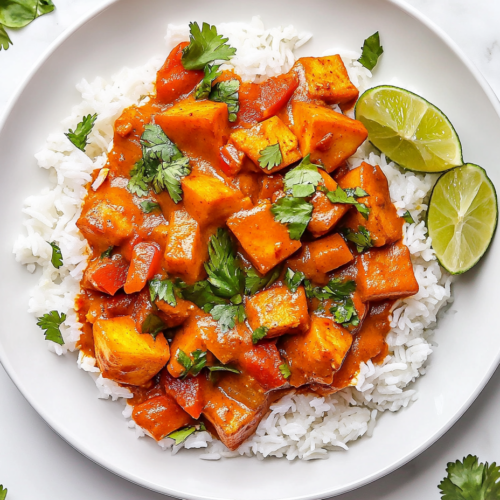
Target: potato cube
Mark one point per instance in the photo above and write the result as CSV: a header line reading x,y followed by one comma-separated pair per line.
x,y
272,186
329,137
384,224
175,315
198,128
185,253
273,131
278,309
208,200
266,241
327,79
126,356
386,273
317,354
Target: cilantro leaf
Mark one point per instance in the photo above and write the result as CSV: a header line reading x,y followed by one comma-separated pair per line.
x,y
345,313
293,279
205,46
201,293
149,206
471,480
337,289
349,196
408,218
227,92
162,290
303,179
255,281
80,135
138,183
205,86
362,240
227,315
371,51
223,368
107,253
51,323
157,147
169,176
180,435
153,325
19,13
3,492
57,258
192,364
295,212
5,42
270,156
259,333
285,370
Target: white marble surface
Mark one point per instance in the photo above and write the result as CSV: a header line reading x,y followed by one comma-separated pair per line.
x,y
36,463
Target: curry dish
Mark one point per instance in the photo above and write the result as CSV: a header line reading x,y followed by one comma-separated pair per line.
x,y
234,254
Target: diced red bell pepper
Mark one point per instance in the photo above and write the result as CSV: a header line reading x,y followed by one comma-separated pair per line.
x,y
142,308
160,416
262,362
188,393
107,275
145,263
173,81
231,160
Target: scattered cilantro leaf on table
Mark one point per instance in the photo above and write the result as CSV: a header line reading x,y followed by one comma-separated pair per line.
x,y
180,435
3,492
270,156
5,43
227,92
348,196
255,281
162,290
57,258
361,239
295,212
259,333
302,180
51,324
285,370
371,51
20,13
153,325
205,86
149,206
79,136
205,46
192,364
408,218
293,279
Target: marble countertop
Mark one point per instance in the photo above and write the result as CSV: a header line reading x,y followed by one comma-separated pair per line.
x,y
36,463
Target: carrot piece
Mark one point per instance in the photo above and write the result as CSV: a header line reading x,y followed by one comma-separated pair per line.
x,y
106,276
145,262
188,393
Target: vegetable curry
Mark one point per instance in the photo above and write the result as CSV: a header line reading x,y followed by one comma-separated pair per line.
x,y
233,254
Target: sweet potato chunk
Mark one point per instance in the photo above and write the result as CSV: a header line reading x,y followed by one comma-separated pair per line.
x,y
160,416
317,354
329,137
273,131
188,393
198,128
208,200
184,254
175,315
266,241
327,79
124,355
272,186
278,309
317,258
384,224
386,273
106,275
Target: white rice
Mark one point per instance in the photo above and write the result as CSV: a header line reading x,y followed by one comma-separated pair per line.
x,y
297,426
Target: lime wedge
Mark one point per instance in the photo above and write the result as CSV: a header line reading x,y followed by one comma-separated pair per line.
x,y
409,130
462,217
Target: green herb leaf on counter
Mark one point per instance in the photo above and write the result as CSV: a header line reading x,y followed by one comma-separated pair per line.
x,y
408,218
205,86
3,492
180,435
295,212
345,313
259,333
153,325
255,282
57,258
227,92
162,290
361,239
349,197
293,279
79,136
51,323
371,51
285,370
302,180
5,43
107,253
270,156
227,315
205,46
192,364
149,206
471,480
19,13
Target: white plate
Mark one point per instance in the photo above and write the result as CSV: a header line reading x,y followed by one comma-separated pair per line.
x,y
417,56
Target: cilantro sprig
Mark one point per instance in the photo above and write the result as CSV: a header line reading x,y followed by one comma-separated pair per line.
x,y
295,213
180,435
259,333
408,218
205,86
51,324
149,206
348,196
371,51
57,258
293,279
107,253
153,325
80,135
5,43
361,239
227,92
205,46
255,282
193,363
302,180
162,290
270,156
285,370
3,492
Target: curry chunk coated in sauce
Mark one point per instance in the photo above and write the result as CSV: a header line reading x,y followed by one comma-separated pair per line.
x,y
178,287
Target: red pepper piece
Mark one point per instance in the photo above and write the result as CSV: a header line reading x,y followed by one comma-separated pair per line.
x,y
145,262
262,362
107,275
188,393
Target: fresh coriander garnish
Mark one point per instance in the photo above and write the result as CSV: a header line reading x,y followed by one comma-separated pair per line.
x,y
180,435
345,313
255,282
348,196
202,294
153,325
3,492
80,135
162,290
293,279
205,46
227,315
51,323
149,206
362,239
192,364
372,50
471,480
223,368
285,370
302,180
5,42
295,212
337,289
227,92
259,333
57,258
408,218
270,156
205,86
107,253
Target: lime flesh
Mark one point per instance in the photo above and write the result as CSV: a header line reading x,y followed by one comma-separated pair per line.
x,y
462,217
409,130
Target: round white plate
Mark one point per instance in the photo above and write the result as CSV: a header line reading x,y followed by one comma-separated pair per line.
x,y
417,56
